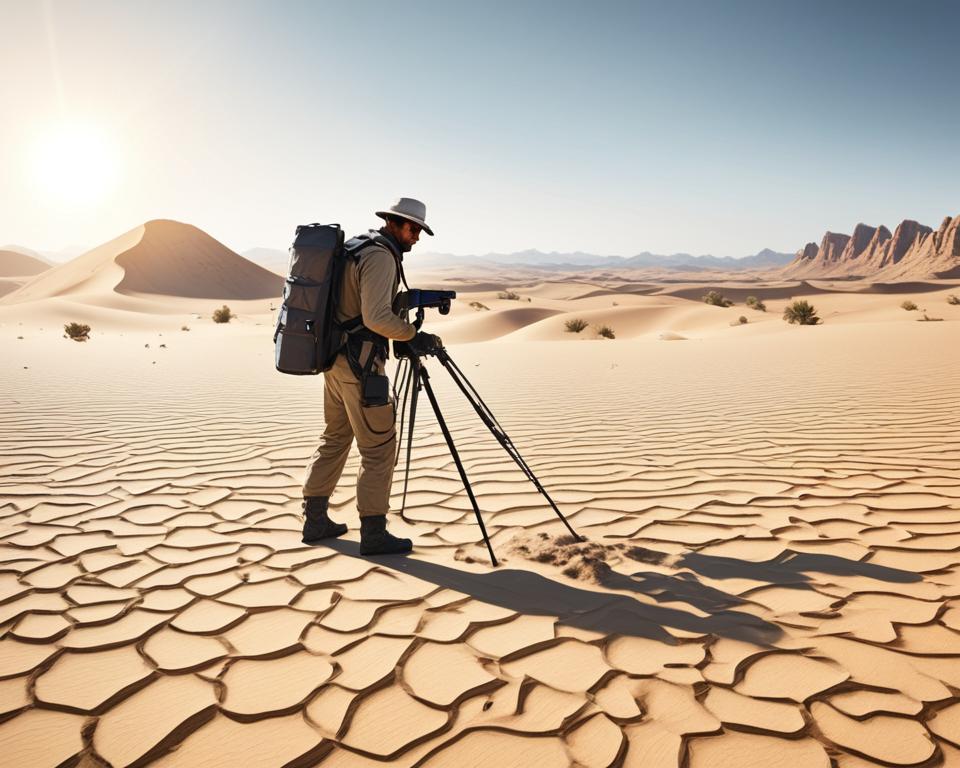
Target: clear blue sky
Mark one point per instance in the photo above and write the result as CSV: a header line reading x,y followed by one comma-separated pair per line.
x,y
608,127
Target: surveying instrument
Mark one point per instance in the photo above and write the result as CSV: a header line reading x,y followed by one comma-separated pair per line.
x,y
412,375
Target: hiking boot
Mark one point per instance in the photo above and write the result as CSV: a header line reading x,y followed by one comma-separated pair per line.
x,y
375,539
316,524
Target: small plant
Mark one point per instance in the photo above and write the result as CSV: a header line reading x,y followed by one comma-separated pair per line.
x,y
926,319
605,332
76,331
478,306
222,315
754,303
953,299
801,312
575,325
908,305
742,320
717,299
511,295
184,327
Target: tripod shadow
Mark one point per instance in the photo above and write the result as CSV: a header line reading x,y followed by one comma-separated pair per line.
x,y
532,594
789,568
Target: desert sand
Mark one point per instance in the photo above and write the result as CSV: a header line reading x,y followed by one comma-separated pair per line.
x,y
770,574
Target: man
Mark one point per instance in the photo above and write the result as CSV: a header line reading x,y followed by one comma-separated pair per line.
x,y
356,400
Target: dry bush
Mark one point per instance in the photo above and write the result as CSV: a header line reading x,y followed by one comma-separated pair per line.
x,y
741,320
926,319
953,299
754,303
222,315
575,325
801,312
717,299
478,306
605,332
184,327
908,305
76,331
511,295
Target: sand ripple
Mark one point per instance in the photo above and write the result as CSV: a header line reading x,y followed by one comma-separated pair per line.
x,y
772,576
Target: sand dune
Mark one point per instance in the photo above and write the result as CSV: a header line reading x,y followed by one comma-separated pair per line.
x,y
158,258
16,264
771,574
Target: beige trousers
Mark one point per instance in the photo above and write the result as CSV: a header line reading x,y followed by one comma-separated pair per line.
x,y
375,432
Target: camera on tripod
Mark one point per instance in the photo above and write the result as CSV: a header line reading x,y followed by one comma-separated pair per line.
x,y
420,300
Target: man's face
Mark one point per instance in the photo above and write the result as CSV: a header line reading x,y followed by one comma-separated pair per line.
x,y
407,234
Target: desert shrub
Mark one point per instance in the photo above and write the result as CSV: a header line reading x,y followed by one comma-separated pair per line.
x,y
908,305
575,325
801,312
511,295
717,299
222,315
605,332
478,306
184,327
76,331
742,320
953,299
754,303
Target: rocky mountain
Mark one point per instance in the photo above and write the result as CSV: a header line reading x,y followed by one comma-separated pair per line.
x,y
931,254
912,252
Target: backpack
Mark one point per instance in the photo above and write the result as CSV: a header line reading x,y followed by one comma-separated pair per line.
x,y
308,337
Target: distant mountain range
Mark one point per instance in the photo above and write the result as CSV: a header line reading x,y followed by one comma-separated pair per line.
x,y
913,251
277,260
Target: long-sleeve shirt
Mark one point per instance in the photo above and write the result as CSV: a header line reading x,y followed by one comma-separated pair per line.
x,y
369,287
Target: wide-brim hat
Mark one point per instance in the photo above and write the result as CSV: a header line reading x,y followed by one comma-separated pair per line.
x,y
409,209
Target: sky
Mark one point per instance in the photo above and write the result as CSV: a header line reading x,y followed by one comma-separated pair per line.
x,y
603,127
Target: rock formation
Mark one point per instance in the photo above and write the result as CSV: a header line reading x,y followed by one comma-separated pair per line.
x,y
912,252
932,254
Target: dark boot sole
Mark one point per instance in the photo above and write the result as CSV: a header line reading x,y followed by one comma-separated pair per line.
x,y
318,539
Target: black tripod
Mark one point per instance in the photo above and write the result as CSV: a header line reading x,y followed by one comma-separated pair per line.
x,y
414,376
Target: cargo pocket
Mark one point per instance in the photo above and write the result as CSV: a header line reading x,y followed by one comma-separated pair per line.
x,y
379,419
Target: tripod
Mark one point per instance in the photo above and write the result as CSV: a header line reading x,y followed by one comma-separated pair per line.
x,y
415,376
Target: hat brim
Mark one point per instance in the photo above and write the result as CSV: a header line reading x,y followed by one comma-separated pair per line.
x,y
383,215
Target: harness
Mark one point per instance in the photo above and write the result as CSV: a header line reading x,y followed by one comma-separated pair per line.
x,y
362,347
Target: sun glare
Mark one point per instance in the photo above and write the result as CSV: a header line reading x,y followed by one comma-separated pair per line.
x,y
74,164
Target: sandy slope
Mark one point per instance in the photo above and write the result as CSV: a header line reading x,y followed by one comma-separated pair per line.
x,y
771,578
160,257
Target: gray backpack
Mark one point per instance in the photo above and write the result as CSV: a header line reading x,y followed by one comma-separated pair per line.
x,y
308,337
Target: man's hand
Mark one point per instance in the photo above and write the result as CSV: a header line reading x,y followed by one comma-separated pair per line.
x,y
421,344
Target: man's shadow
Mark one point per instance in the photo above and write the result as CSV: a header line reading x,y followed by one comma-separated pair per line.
x,y
533,594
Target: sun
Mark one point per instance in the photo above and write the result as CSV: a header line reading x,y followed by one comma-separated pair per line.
x,y
74,164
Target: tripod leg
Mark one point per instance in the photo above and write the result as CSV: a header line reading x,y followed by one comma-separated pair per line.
x,y
425,378
404,388
487,417
413,387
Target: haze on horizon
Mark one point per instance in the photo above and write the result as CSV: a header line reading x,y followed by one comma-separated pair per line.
x,y
695,127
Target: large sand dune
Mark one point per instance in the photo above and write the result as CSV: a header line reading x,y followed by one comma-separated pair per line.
x,y
158,258
771,575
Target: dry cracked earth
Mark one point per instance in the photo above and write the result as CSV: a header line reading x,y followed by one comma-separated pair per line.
x,y
771,578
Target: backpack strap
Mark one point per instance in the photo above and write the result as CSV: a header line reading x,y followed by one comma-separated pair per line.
x,y
363,346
